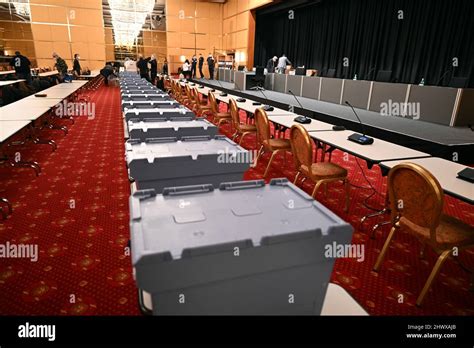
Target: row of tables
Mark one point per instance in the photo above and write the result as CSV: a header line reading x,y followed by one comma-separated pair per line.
x,y
381,152
24,116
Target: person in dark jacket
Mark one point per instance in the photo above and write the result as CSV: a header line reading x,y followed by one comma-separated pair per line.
x,y
107,71
60,65
165,67
194,62
142,66
211,62
201,63
271,64
153,68
22,66
76,67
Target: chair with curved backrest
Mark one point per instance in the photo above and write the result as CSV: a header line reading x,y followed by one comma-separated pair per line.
x,y
319,172
200,106
265,141
416,202
218,117
190,101
240,129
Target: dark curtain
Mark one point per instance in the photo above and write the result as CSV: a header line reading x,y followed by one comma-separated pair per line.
x,y
370,35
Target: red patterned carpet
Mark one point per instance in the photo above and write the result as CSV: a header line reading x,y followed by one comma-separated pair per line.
x,y
77,212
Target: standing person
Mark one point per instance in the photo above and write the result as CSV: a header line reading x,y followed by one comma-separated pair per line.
x,y
165,67
201,63
283,62
186,69
76,67
194,66
153,68
22,67
61,66
130,65
271,64
211,63
142,66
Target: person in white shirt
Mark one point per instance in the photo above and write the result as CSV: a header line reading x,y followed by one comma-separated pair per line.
x,y
283,62
130,65
187,69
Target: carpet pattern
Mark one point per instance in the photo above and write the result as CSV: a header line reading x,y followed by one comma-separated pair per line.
x,y
77,212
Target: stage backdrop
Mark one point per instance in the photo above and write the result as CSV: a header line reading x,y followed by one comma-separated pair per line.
x,y
414,38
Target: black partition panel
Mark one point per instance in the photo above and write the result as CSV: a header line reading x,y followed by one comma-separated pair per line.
x,y
310,87
383,93
434,104
356,93
293,83
331,90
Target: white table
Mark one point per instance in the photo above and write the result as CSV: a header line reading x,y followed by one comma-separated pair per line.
x,y
288,122
339,302
9,128
446,173
22,111
48,73
375,153
7,83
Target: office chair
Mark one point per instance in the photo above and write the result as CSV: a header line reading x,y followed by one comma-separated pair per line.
x,y
259,78
458,82
384,76
331,73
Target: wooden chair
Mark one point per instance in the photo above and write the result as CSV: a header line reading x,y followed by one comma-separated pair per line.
x,y
416,202
200,106
240,129
217,116
319,172
265,141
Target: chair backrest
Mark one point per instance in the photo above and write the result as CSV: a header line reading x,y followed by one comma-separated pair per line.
x,y
301,146
263,126
259,71
234,113
195,95
213,102
415,195
188,92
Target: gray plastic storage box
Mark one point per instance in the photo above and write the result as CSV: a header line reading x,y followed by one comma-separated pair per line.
x,y
245,249
167,162
160,104
142,114
145,97
174,128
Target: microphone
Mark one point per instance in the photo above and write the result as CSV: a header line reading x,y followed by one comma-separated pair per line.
x,y
265,107
367,76
300,119
223,94
356,137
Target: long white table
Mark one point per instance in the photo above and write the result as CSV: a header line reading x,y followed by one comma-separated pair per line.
x,y
288,122
375,153
446,173
48,73
7,83
9,128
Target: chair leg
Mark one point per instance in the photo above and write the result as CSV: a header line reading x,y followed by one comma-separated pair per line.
x,y
316,188
439,263
296,177
260,152
347,185
243,136
270,163
381,257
